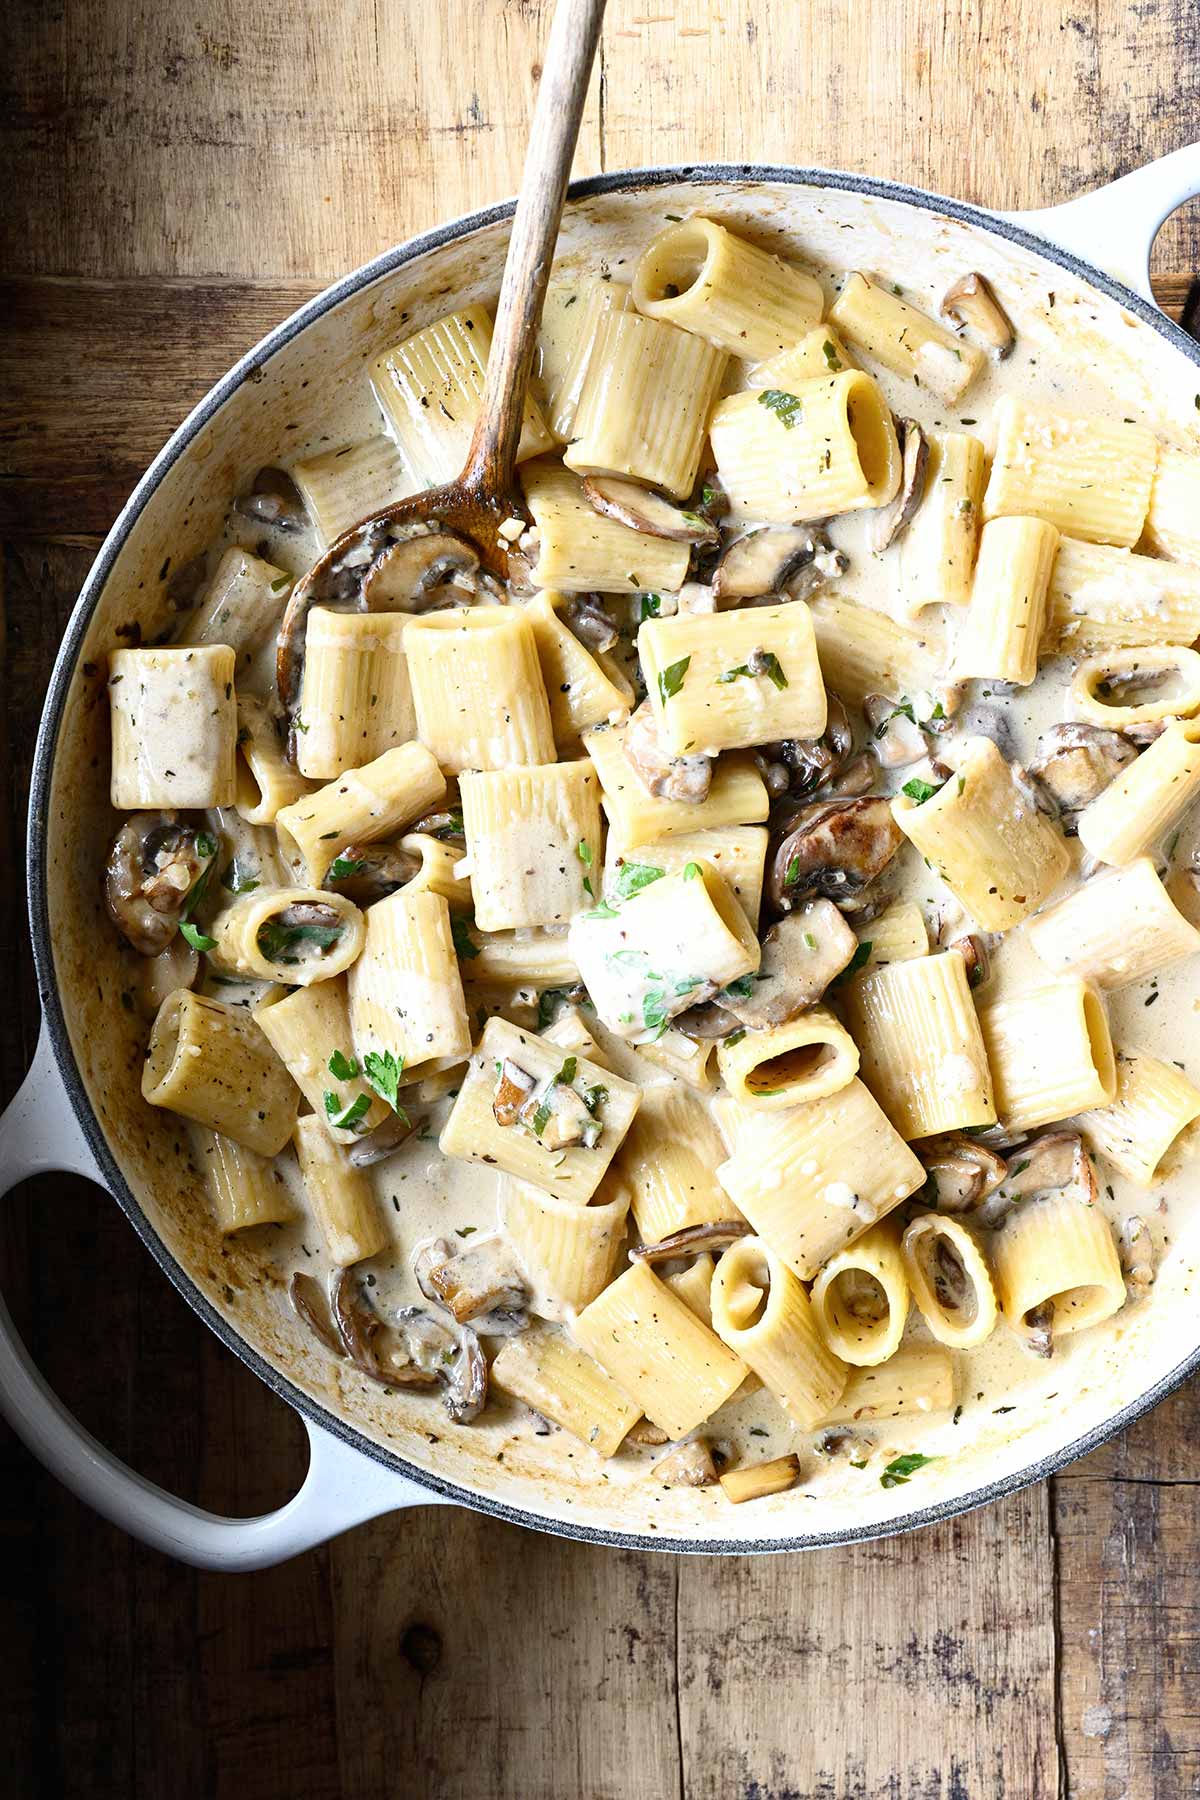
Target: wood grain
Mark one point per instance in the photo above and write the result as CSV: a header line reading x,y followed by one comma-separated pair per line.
x,y
179,180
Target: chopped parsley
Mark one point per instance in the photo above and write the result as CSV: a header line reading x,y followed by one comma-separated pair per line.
x,y
280,943
464,943
566,1074
919,790
735,1037
654,1012
342,1067
583,851
235,882
649,607
548,1004
832,358
690,871
383,1071
768,665
346,1118
603,911
670,679
792,873
741,989
196,937
633,877
901,1467
344,868
786,407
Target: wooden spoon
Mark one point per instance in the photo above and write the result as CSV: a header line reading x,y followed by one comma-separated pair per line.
x,y
486,494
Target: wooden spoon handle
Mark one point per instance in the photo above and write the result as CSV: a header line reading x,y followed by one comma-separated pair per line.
x,y
570,52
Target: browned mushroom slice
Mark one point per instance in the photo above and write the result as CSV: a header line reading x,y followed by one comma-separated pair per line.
x,y
413,575
693,1240
855,779
766,560
971,302
484,1278
512,1090
359,1329
800,765
274,500
961,1172
153,875
891,521
896,738
1057,1160
559,1117
376,1146
801,955
973,951
643,1432
587,616
448,1353
706,1022
427,1256
311,1305
685,778
643,510
1036,1329
365,873
832,851
690,1465
447,827
1074,763
1137,1253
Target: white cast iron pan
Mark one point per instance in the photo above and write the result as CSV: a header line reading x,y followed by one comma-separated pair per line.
x,y
80,1108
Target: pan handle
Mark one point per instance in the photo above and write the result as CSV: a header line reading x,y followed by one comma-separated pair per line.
x,y
1114,227
39,1132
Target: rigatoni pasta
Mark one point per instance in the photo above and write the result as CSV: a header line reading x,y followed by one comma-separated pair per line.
x,y
210,1062
725,681
860,1298
1089,477
355,696
713,282
923,1055
1002,631
580,550
1050,1053
359,806
762,1312
828,448
533,843
1117,928
477,688
904,339
1152,1105
174,727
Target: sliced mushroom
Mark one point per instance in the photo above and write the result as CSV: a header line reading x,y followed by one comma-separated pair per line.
x,y
376,1146
643,1432
707,1022
451,1354
801,955
484,1278
839,1443
274,500
974,953
447,827
896,738
1057,1160
856,778
311,1305
427,1256
153,866
961,1172
559,1117
1036,1329
418,574
809,763
833,850
365,873
359,1328
685,778
512,1090
1137,1253
643,510
587,616
1074,763
689,1465
891,521
692,1240
971,302
764,562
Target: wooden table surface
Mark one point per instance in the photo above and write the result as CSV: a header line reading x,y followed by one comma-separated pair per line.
x,y
177,179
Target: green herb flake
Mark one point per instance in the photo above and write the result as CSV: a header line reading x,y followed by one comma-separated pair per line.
x,y
788,408
196,937
670,679
901,1467
279,943
735,1037
649,607
235,882
690,871
464,944
792,874
919,790
654,1012
280,582
810,942
633,877
383,1071
346,1118
567,1073
603,911
832,358
343,1067
465,1231
741,989
344,868
541,1118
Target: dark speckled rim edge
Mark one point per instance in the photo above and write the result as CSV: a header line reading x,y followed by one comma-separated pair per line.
x,y
56,696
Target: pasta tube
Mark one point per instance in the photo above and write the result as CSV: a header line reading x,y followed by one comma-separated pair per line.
x,y
174,727
688,1058
737,852
1104,689
1104,598
1117,928
1173,518
309,1030
340,487
211,1063
405,990
580,550
820,352
738,795
1090,477
340,1195
1050,1053
355,698
643,411
1057,1252
814,1178
658,1352
950,1280
292,934
811,1056
860,1298
726,681
783,457
1002,631
693,1286
571,320
570,1252
1152,1107
704,277
985,837
246,1189
897,935
430,388
904,339
1147,799
923,1055
266,780
243,602
477,687
360,806
761,1311
543,1132
937,551
545,1370
533,843
918,1380
581,690
662,950
667,1166
438,871
537,959
865,652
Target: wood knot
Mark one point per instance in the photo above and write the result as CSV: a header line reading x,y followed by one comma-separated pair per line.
x,y
421,1648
